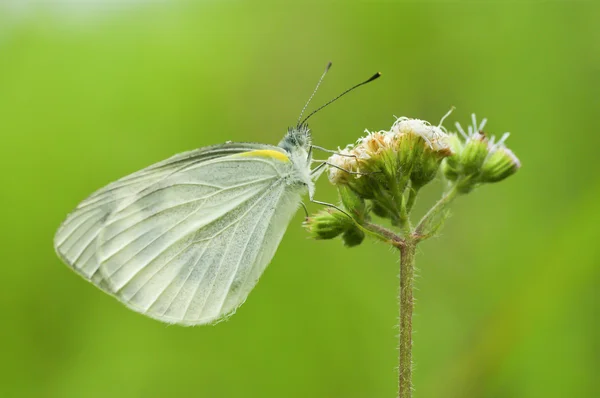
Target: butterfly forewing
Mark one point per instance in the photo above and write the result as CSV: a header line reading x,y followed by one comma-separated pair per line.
x,y
185,240
75,239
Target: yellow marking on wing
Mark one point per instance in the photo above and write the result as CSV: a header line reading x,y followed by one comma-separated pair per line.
x,y
267,153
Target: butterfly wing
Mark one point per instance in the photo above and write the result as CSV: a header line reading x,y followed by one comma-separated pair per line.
x,y
184,241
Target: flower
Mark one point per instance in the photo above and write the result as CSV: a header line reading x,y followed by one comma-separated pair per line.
x,y
434,137
340,164
478,159
380,165
381,174
397,151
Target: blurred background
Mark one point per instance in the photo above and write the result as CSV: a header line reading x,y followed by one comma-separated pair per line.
x,y
507,300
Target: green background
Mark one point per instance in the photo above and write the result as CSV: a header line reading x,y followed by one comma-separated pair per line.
x,y
507,299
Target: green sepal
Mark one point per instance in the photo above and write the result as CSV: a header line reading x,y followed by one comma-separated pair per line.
x,y
473,154
379,210
353,202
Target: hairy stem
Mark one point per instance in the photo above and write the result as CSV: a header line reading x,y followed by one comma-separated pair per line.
x,y
407,269
382,232
430,218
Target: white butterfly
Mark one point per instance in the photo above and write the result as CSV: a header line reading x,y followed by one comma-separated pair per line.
x,y
185,240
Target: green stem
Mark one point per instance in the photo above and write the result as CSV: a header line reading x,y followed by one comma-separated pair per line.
x,y
407,269
398,192
412,197
431,215
383,234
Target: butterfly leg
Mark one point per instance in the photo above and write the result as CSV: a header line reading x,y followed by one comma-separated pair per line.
x,y
310,151
331,205
320,148
318,169
305,209
326,163
312,199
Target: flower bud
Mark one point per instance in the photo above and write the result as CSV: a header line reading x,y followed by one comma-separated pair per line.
x,y
380,211
499,164
478,160
327,224
424,171
423,146
451,164
474,153
352,201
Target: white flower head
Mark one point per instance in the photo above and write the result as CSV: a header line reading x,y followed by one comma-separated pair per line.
x,y
480,158
434,136
354,156
341,163
396,149
475,131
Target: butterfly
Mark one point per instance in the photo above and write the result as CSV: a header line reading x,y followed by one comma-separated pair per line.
x,y
185,240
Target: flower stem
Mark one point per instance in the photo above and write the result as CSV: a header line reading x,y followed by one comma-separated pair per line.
x,y
407,269
412,197
383,234
424,228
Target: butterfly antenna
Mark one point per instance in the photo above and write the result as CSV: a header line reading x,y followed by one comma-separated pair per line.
x,y
314,91
369,80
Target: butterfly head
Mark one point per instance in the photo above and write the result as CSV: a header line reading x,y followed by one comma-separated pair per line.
x,y
296,138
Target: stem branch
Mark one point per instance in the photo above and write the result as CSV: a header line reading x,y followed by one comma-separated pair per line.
x,y
385,233
434,212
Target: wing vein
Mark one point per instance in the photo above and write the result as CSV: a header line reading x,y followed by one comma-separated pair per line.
x,y
233,275
164,232
226,251
250,272
72,232
204,198
221,190
184,282
239,159
80,237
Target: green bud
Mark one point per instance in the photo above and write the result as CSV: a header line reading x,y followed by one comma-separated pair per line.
x,y
410,146
478,160
327,224
451,164
363,185
352,201
353,237
379,210
474,153
466,184
426,168
500,163
449,172
424,171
